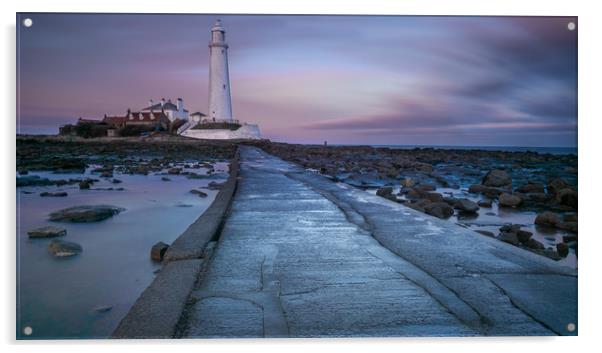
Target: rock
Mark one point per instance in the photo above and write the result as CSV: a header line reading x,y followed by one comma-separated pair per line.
x,y
385,190
568,226
60,248
102,309
570,217
534,244
556,185
158,251
47,232
81,214
510,228
567,197
408,182
509,200
53,194
215,185
497,178
465,205
484,203
106,174
476,189
523,235
427,187
434,197
531,187
547,218
569,238
116,181
510,238
33,180
538,197
174,171
198,193
550,253
165,179
486,233
84,184
562,249
439,210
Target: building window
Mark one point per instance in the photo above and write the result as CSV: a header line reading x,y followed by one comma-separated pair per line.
x,y
222,51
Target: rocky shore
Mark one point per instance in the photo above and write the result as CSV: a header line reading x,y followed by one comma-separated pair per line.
x,y
64,154
430,180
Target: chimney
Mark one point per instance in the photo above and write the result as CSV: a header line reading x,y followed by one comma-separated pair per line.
x,y
180,105
162,102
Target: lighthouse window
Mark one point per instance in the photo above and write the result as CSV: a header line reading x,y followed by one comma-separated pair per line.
x,y
222,51
224,86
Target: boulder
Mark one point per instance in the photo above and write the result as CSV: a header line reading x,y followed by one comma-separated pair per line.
x,y
465,205
510,238
568,226
484,203
158,251
384,191
53,194
116,181
434,197
165,179
199,193
497,178
60,248
215,185
531,187
510,228
534,244
427,187
523,235
567,197
82,214
556,185
84,184
547,218
510,200
439,210
477,189
562,249
33,180
47,232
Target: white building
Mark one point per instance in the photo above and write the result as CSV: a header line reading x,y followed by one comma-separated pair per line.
x,y
220,105
218,124
173,111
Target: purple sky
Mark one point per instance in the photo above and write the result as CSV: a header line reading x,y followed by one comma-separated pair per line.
x,y
345,79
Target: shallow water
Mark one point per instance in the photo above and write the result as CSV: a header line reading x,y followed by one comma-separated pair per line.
x,y
59,297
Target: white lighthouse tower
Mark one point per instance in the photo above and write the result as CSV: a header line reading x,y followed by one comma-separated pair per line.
x,y
220,105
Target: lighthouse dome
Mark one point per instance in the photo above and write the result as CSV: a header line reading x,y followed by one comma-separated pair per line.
x,y
218,26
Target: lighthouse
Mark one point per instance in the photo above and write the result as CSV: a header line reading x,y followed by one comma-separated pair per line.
x,y
220,105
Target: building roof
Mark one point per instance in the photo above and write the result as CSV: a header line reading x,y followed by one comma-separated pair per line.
x,y
114,120
198,113
159,107
92,121
146,116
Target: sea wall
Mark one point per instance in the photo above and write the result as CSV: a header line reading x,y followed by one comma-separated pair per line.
x,y
245,132
157,311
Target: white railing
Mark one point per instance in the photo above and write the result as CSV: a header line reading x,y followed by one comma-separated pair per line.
x,y
185,127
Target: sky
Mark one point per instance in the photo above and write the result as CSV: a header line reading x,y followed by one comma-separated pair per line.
x,y
403,80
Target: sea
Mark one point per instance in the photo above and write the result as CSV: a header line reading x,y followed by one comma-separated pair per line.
x,y
541,150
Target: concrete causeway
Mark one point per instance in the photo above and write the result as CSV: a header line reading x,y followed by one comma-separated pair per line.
x,y
302,256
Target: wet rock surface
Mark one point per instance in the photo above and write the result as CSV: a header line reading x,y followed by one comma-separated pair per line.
x,y
528,182
61,248
83,214
47,232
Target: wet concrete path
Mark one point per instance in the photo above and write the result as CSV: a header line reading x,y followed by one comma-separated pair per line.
x,y
302,256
